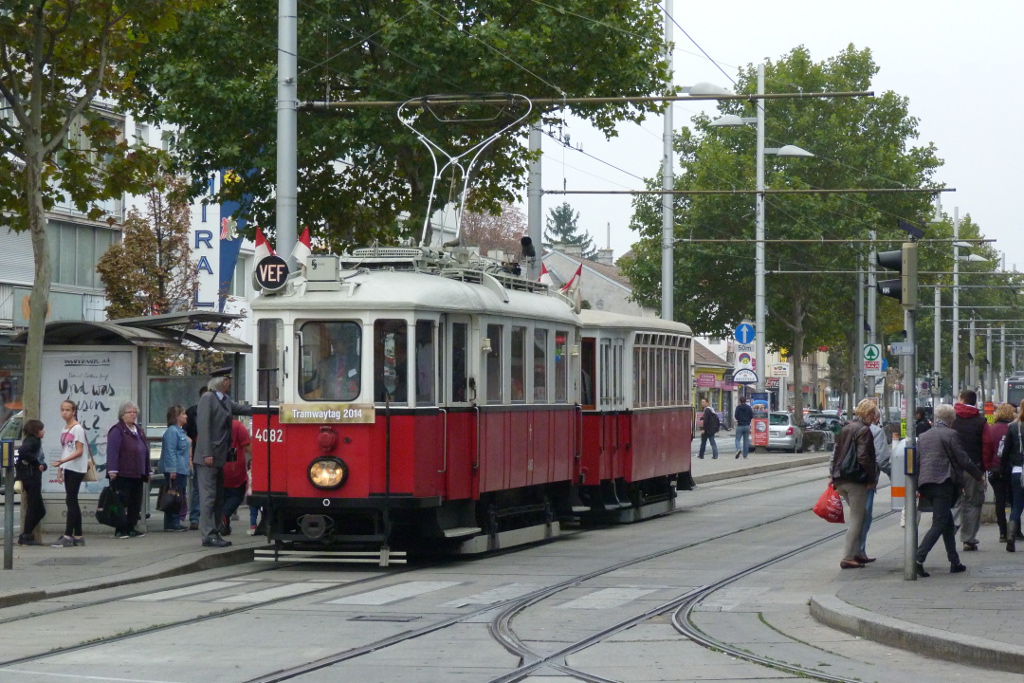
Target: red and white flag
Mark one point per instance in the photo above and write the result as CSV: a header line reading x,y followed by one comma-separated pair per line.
x,y
302,248
545,276
574,282
263,249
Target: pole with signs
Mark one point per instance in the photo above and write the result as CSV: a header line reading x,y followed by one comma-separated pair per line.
x,y
7,451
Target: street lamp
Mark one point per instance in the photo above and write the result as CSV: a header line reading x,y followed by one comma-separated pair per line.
x,y
759,289
668,234
957,246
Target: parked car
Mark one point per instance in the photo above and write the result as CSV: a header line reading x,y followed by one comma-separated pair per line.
x,y
784,433
11,430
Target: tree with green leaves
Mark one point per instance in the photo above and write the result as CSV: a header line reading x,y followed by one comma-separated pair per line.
x,y
563,227
151,272
862,142
65,68
361,170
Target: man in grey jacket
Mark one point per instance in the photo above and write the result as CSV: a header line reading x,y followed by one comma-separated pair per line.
x,y
943,464
213,448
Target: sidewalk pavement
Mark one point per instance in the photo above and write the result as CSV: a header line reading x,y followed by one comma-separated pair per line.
x,y
972,618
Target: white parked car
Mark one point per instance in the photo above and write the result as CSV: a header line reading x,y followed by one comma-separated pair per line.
x,y
784,433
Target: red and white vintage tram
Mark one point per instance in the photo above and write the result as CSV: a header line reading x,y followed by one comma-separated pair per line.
x,y
419,399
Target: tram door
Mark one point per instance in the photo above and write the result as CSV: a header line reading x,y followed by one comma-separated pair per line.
x,y
459,417
612,404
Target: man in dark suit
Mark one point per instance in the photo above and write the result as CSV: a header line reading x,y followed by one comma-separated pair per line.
x,y
213,448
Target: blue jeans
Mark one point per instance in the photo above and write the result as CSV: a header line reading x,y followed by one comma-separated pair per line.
x,y
704,438
193,498
233,497
743,437
1018,498
869,505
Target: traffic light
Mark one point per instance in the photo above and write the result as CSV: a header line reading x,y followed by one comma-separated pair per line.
x,y
904,260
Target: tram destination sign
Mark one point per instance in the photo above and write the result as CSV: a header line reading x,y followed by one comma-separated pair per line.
x,y
327,413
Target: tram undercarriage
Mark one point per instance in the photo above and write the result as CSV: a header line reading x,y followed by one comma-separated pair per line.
x,y
388,532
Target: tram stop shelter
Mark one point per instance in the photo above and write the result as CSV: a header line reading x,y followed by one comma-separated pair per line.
x,y
99,365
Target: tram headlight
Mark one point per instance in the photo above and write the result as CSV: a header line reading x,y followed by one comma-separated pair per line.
x,y
328,473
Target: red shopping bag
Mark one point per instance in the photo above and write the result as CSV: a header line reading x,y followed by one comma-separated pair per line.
x,y
830,506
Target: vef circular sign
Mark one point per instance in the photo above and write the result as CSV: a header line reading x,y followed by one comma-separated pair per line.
x,y
272,273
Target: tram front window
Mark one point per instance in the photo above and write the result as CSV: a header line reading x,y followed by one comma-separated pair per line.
x,y
330,361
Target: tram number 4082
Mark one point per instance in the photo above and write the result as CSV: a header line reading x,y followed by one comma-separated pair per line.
x,y
276,435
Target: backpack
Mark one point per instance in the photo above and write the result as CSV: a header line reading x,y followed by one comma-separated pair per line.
x,y
711,422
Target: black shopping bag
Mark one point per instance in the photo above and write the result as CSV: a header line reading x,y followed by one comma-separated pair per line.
x,y
110,509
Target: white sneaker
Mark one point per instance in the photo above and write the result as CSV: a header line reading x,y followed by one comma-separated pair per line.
x,y
251,531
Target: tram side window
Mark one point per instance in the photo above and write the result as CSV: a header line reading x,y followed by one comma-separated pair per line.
x,y
390,365
425,362
268,355
330,361
518,364
588,368
562,368
540,366
494,373
460,356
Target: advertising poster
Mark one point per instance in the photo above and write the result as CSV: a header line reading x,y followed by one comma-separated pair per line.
x,y
759,425
99,382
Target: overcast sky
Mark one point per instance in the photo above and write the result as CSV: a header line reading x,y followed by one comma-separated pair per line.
x,y
959,63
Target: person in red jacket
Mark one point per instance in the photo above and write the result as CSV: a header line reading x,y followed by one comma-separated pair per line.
x,y
236,474
973,430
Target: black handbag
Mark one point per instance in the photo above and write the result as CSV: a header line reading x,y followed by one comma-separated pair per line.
x,y
168,500
110,509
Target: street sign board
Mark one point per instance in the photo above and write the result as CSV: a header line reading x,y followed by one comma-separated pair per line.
x,y
780,369
872,356
745,333
744,376
901,349
745,357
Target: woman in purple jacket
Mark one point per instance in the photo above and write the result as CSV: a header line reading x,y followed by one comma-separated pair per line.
x,y
128,465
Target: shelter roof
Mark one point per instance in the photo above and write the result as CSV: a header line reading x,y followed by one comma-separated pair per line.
x,y
158,330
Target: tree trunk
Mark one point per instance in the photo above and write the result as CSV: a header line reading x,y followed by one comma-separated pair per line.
x,y
38,301
797,355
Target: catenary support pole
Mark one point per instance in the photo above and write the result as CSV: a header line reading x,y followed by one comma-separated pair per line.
x,y
287,127
910,491
667,201
534,202
859,376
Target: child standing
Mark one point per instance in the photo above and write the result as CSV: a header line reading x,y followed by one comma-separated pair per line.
x,y
73,464
30,473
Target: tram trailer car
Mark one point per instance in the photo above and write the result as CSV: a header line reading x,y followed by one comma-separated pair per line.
x,y
410,399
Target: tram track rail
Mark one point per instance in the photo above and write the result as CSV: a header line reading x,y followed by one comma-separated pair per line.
x,y
510,607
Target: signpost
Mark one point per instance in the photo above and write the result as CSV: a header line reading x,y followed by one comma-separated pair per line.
x,y
745,364
873,360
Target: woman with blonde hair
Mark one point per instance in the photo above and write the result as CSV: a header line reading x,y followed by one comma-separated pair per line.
x,y
853,480
1004,415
